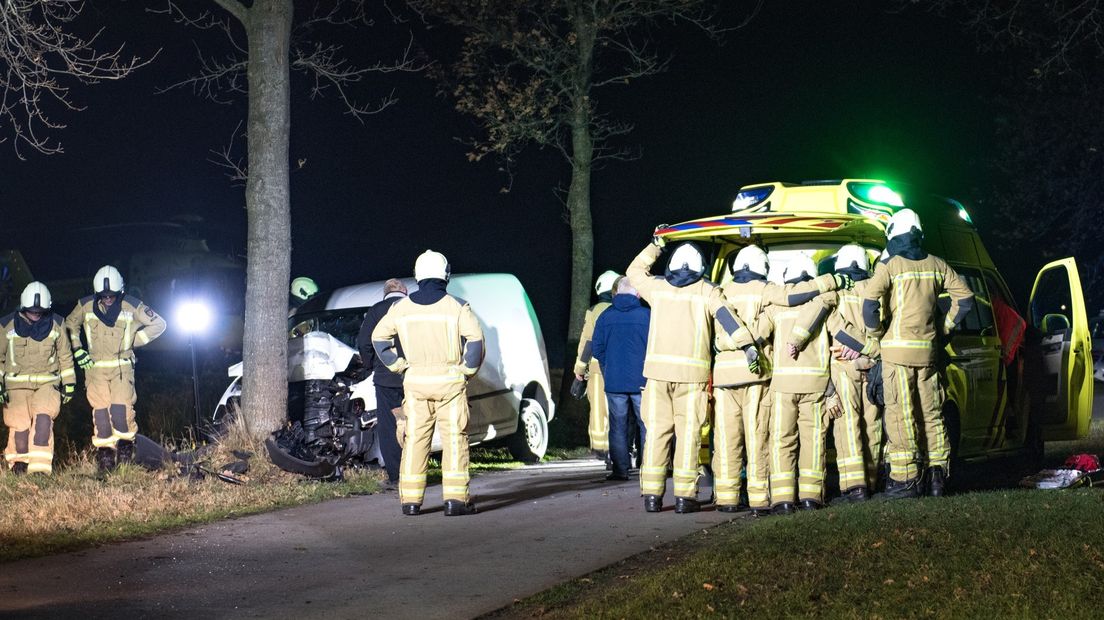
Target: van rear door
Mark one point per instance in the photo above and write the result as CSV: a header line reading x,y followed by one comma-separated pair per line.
x,y
1058,311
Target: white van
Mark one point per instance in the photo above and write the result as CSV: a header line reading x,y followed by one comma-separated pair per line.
x,y
510,396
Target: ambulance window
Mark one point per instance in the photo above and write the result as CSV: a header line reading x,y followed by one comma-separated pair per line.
x,y
980,318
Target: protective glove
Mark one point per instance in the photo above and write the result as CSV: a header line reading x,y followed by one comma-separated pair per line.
x,y
578,388
833,406
67,392
752,355
875,391
82,358
656,239
843,281
3,395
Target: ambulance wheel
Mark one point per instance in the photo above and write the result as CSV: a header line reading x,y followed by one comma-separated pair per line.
x,y
530,441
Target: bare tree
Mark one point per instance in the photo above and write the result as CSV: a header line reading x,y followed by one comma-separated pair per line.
x,y
42,57
276,43
528,71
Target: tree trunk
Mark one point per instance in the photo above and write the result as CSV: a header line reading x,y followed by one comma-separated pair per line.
x,y
578,194
267,203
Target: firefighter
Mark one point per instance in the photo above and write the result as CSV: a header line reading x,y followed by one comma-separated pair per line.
x,y
442,347
799,385
589,372
742,397
36,378
913,280
858,430
676,367
113,324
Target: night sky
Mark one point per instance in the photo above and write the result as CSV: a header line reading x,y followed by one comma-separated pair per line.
x,y
805,91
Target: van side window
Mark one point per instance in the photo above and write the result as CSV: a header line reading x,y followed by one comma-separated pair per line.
x,y
980,319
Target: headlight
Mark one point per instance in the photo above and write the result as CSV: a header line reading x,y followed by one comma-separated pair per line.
x,y
875,193
750,197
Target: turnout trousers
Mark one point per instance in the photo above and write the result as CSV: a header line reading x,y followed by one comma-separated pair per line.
x,y
740,421
110,391
449,416
669,410
797,419
914,404
598,426
858,433
29,416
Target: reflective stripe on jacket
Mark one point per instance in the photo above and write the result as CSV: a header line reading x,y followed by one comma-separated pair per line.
x,y
136,326
25,361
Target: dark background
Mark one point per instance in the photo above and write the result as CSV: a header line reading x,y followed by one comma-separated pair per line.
x,y
807,90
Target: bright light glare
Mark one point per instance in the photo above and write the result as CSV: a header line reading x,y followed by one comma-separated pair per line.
x,y
194,317
886,196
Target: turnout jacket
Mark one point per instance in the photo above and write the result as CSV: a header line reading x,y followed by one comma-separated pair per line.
x,y
749,300
112,337
913,288
680,334
26,362
846,326
808,329
442,345
381,375
585,362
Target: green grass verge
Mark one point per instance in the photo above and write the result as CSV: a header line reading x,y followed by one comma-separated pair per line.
x,y
1023,554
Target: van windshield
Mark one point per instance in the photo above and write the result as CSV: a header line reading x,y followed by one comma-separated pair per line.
x,y
341,324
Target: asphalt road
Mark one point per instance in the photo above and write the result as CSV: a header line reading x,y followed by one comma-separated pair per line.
x,y
360,557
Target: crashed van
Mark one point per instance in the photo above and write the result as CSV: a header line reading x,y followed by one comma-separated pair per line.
x,y
332,402
991,409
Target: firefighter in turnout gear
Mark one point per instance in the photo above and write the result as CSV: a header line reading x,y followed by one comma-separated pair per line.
x,y
442,348
742,397
589,372
799,385
913,280
677,365
113,324
858,430
36,377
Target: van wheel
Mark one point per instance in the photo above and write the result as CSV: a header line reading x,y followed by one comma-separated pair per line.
x,y
530,441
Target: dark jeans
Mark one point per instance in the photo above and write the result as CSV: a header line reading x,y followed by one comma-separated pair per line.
x,y
620,407
387,398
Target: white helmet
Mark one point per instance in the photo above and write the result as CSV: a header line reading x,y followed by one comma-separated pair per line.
x,y
605,282
752,258
108,280
688,256
800,265
36,297
852,254
431,265
902,222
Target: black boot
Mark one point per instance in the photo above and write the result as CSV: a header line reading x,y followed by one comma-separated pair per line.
x,y
686,505
907,489
759,513
856,495
937,481
19,468
411,510
124,452
811,504
653,503
784,508
457,508
727,508
105,459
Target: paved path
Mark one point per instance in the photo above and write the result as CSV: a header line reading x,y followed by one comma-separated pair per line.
x,y
359,557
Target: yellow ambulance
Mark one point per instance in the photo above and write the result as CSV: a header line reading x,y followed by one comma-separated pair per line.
x,y
992,408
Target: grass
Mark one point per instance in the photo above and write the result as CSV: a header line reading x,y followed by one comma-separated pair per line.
x,y
1005,553
997,554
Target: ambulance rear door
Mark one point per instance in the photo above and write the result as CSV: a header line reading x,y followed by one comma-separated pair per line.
x,y
1064,391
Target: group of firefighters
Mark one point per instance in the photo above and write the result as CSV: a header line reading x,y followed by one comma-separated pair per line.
x,y
786,361
37,373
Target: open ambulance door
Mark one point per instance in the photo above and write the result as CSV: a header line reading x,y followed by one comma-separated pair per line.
x,y
1057,309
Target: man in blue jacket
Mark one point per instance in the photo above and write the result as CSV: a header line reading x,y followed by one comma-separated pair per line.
x,y
389,386
619,344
